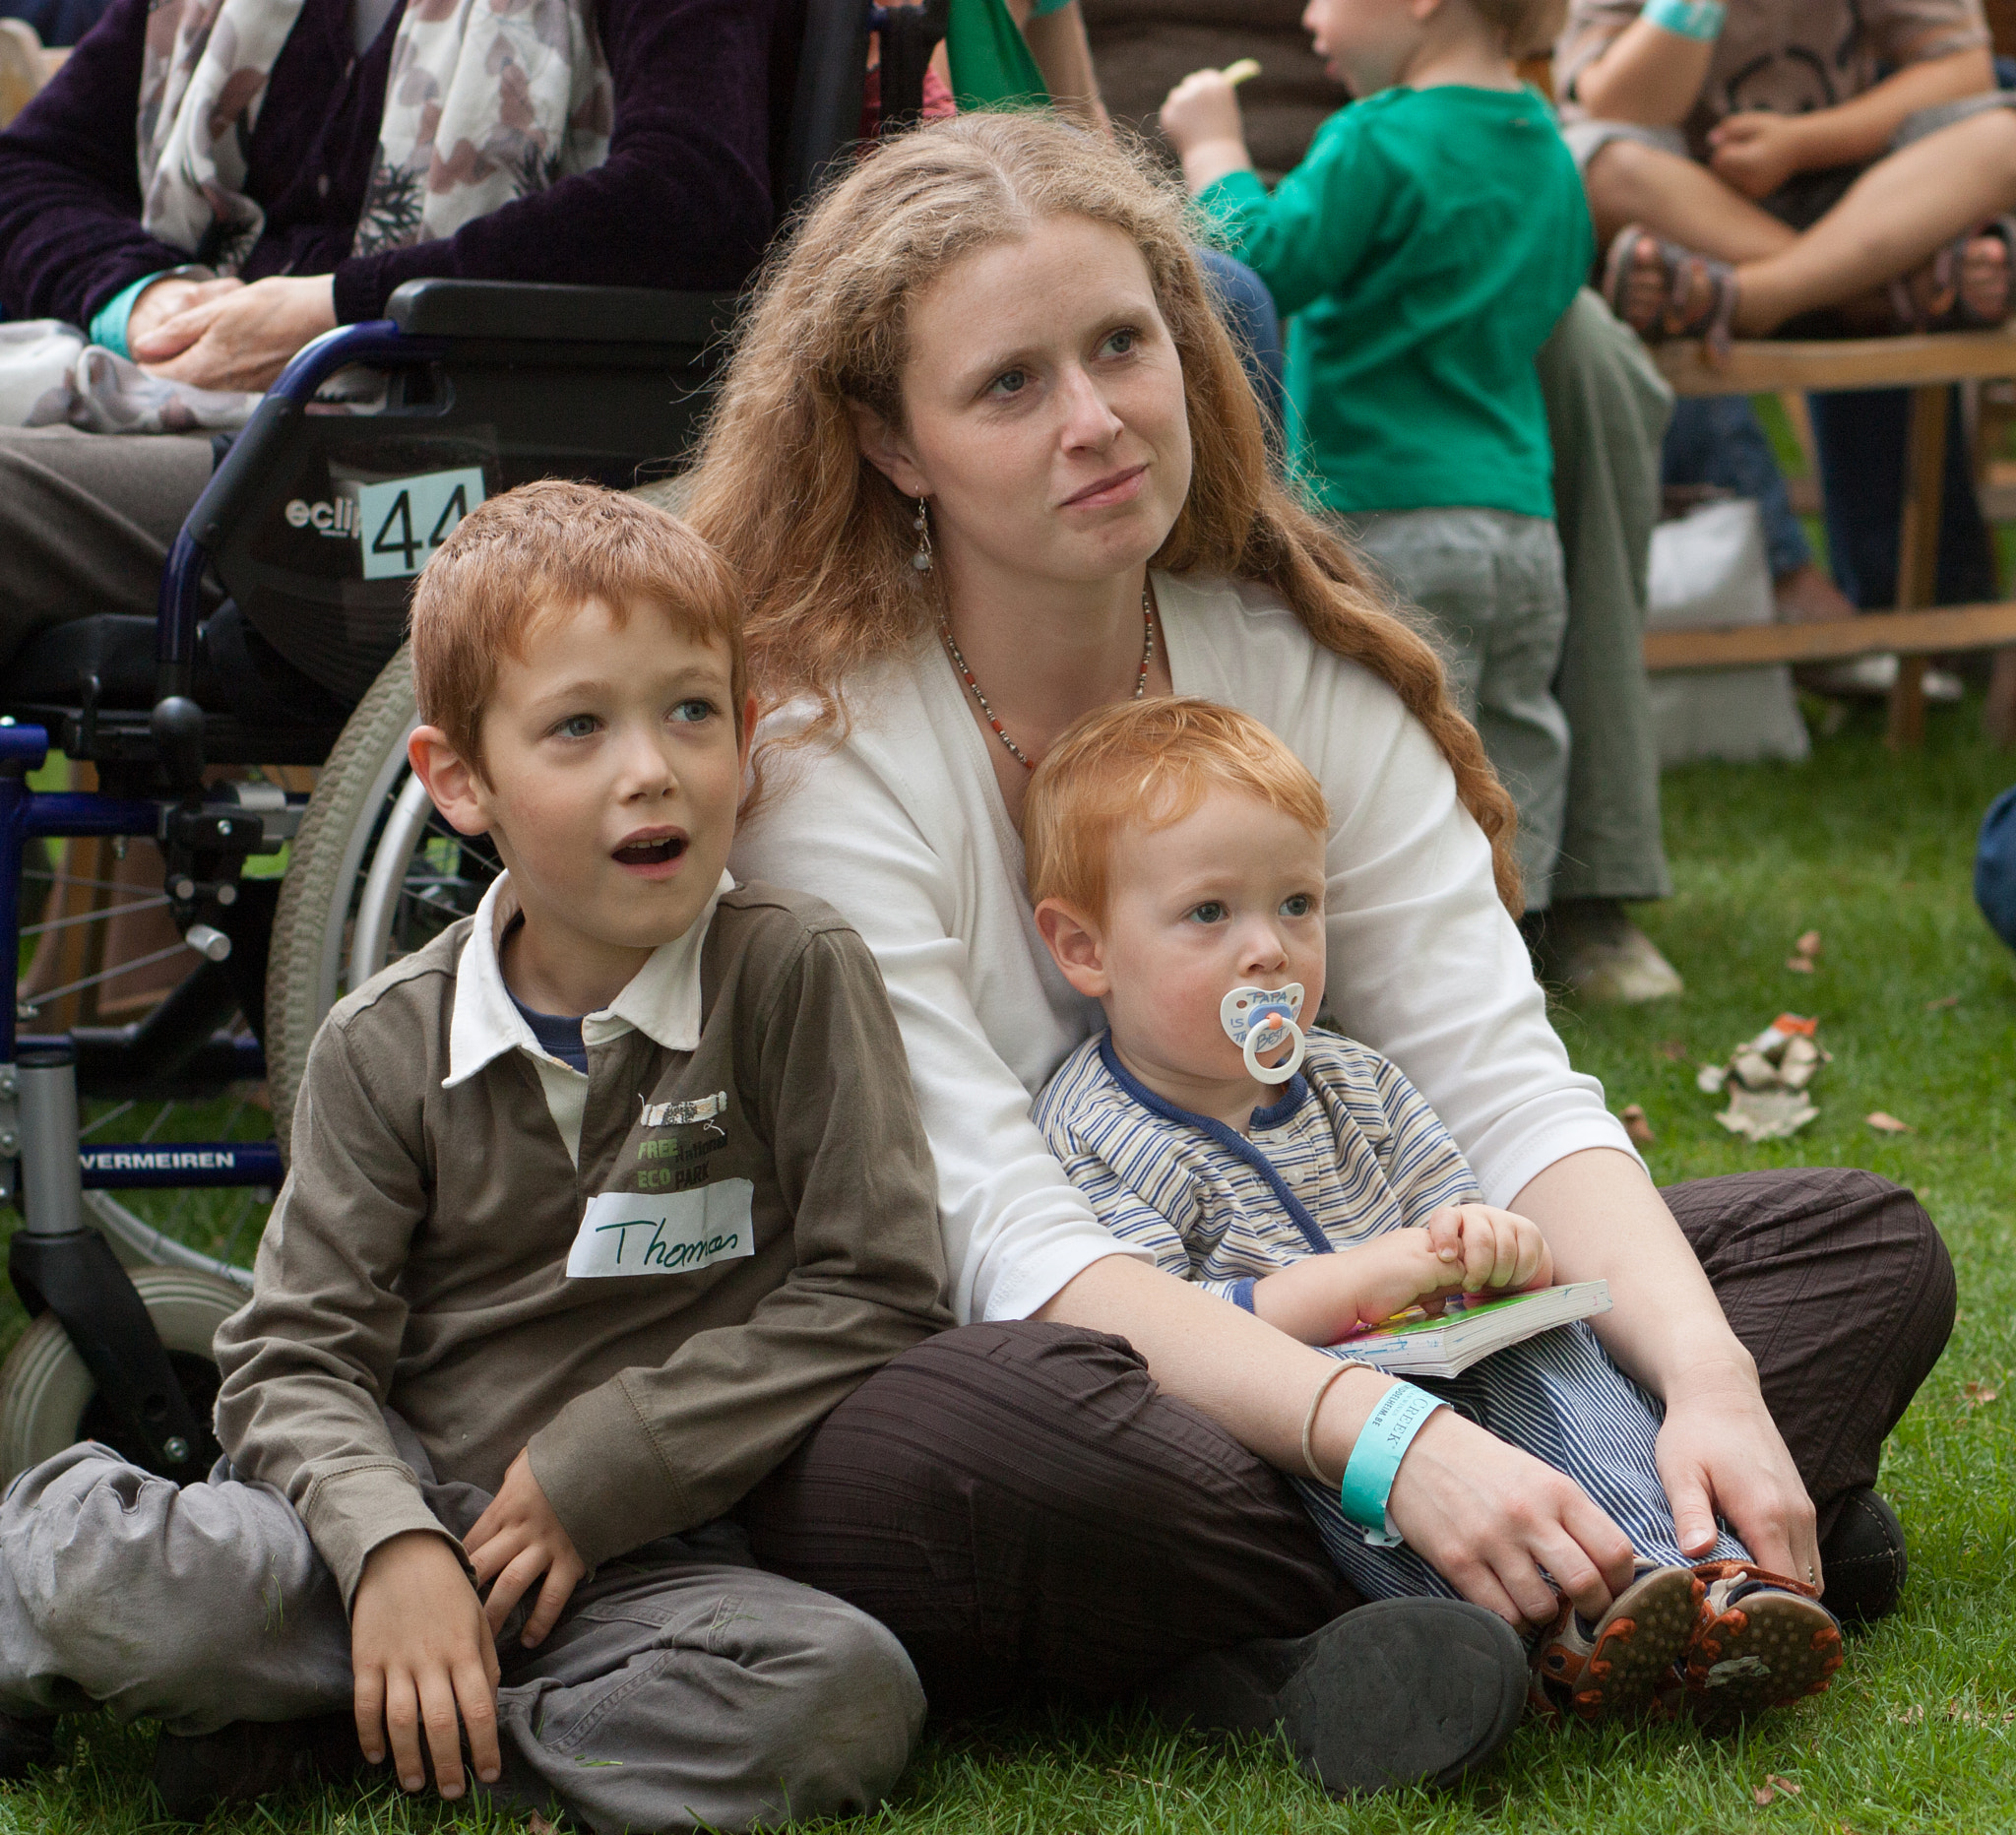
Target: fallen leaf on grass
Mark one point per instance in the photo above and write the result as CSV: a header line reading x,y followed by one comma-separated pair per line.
x,y
1888,1123
538,1825
1977,1394
1773,1787
1911,1715
1944,1000
1636,1125
1806,953
1674,1049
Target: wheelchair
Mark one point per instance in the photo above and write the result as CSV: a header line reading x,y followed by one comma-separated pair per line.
x,y
276,647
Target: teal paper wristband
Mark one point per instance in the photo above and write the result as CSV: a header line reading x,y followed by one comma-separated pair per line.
x,y
1690,18
1382,1442
109,326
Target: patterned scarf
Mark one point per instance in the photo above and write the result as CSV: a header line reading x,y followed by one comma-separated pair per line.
x,y
486,100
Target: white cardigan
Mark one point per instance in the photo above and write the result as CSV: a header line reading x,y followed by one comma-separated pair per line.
x,y
903,828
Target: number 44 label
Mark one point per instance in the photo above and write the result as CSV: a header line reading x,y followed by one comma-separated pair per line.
x,y
403,523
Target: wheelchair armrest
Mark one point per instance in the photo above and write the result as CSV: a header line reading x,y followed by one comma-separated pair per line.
x,y
559,314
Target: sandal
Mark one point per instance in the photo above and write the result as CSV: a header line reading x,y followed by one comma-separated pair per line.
x,y
1686,307
1956,315
1619,1665
1763,1641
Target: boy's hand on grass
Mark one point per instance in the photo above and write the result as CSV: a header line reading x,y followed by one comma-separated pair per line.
x,y
514,1541
1201,118
1755,152
422,1658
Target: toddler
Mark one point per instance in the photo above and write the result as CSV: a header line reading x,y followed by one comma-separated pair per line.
x,y
1427,246
1175,855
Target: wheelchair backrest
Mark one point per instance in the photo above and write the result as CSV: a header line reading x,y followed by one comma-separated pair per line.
x,y
380,437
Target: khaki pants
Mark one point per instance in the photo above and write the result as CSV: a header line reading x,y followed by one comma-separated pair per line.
x,y
683,1685
1491,584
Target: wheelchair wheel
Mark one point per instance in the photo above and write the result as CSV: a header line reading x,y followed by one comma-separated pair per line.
x,y
48,1399
375,874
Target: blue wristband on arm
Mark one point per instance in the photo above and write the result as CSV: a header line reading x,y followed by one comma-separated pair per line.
x,y
108,325
107,328
1382,1442
1690,18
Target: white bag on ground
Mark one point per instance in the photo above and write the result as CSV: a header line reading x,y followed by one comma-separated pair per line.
x,y
1709,572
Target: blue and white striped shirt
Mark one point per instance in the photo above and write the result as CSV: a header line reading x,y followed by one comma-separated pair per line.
x,y
1349,1151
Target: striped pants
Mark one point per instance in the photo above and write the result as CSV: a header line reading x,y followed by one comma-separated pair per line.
x,y
1559,1398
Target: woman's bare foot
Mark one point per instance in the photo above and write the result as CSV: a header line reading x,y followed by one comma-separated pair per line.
x,y
1984,280
1807,596
1976,287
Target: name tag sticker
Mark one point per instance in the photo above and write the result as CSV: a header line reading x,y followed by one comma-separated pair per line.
x,y
625,1233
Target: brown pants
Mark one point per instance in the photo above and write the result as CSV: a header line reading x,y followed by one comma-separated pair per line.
x,y
1027,1511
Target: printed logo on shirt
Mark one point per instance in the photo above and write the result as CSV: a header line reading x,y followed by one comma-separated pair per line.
x,y
679,1115
633,1234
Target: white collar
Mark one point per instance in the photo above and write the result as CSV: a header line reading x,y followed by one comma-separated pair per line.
x,y
660,1000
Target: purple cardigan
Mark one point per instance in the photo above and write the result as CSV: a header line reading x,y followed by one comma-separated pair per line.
x,y
683,199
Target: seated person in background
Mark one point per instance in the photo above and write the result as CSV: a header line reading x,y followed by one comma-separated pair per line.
x,y
1427,245
1749,164
209,215
1176,857
597,1204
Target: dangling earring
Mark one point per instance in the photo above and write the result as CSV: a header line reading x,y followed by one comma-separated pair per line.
x,y
922,559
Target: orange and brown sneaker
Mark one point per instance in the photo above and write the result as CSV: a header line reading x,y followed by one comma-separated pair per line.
x,y
1762,1641
1618,1666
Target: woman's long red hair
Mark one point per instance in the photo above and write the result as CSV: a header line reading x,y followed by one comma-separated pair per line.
x,y
822,539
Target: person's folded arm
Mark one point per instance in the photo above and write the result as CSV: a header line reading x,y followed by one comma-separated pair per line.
x,y
70,234
1858,129
683,199
1643,74
308,1362
654,1451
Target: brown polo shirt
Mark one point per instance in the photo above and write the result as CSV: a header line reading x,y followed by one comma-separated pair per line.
x,y
751,1229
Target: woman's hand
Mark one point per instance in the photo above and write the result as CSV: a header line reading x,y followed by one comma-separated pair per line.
x,y
1721,1454
235,337
514,1542
1488,1518
167,300
1201,118
1756,152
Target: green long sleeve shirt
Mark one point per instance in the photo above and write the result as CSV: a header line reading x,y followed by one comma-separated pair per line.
x,y
1425,247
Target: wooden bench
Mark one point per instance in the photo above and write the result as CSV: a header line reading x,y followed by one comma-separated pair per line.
x,y
1928,367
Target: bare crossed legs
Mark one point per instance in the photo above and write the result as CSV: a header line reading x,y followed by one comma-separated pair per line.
x,y
1891,222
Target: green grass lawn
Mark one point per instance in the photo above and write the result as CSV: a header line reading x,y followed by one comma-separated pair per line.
x,y
1918,1003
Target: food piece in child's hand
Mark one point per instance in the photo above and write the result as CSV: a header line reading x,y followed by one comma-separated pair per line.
x,y
1236,72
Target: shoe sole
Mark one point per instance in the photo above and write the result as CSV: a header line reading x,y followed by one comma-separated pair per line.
x,y
1768,1651
1637,1641
1401,1693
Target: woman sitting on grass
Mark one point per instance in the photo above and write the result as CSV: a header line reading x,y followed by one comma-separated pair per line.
x,y
986,461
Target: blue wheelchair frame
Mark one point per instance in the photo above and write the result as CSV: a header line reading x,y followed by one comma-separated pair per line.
x,y
486,351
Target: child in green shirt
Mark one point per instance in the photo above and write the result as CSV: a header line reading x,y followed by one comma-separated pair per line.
x,y
1427,246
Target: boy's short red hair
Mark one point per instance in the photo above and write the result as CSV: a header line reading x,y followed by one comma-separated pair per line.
x,y
542,549
1151,762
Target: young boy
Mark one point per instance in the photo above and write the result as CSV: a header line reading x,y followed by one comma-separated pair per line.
x,y
598,1202
1176,853
1427,246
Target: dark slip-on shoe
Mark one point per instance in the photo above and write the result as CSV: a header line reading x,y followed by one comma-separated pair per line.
x,y
1398,1692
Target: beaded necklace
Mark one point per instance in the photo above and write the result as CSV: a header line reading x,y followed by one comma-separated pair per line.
x,y
966,676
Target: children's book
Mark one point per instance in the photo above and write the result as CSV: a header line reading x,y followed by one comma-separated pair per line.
x,y
1411,1344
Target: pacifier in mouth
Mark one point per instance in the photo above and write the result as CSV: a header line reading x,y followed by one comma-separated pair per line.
x,y
1263,1019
